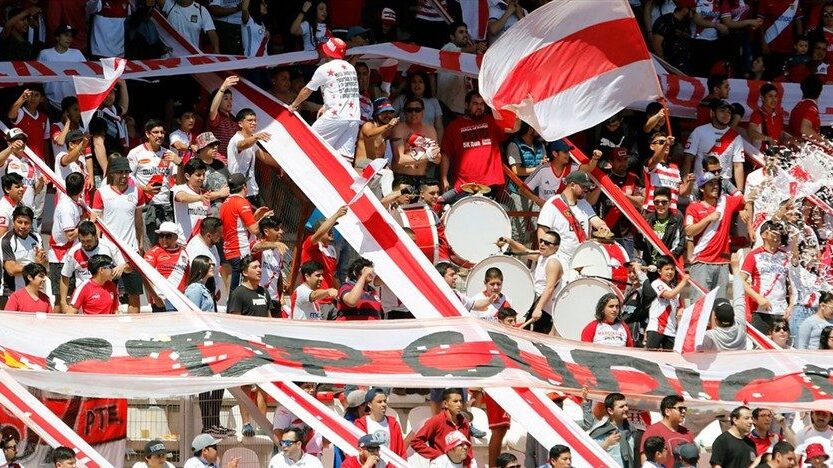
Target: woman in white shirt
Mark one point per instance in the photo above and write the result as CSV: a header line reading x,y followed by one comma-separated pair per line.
x,y
311,25
418,85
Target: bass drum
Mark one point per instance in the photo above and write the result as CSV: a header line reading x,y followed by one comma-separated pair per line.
x,y
473,226
422,221
575,306
518,285
602,260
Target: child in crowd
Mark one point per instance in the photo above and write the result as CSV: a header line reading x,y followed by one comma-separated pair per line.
x,y
665,310
493,282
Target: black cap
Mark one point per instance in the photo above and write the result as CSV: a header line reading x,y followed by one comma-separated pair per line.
x,y
74,135
119,164
580,178
64,28
236,182
720,103
724,313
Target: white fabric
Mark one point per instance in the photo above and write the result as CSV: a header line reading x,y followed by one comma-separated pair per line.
x,y
66,218
302,307
58,90
119,212
320,35
339,88
243,162
271,263
78,268
663,308
146,165
552,219
107,36
545,183
234,18
186,215
703,139
451,87
539,276
30,175
340,134
253,36
179,136
306,461
189,21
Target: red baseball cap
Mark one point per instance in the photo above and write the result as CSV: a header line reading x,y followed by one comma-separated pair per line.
x,y
334,48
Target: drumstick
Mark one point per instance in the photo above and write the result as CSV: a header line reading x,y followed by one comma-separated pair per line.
x,y
526,323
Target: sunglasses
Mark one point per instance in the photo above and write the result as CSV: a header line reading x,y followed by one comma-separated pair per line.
x,y
781,328
411,110
546,242
716,172
166,234
517,465
287,443
681,409
661,202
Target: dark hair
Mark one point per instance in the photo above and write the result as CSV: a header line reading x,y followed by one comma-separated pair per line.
x,y
211,224
183,109
766,88
757,411
61,454
504,459
715,80
653,445
243,113
669,402
10,179
442,267
652,108
298,431
824,337
662,192
423,186
311,266
254,10
97,261
554,234
505,312
268,222
557,450
602,303
199,268
783,447
74,183
361,64
825,296
31,270
471,94
428,91
710,160
193,165
612,398
452,28
68,102
311,17
493,273
87,228
735,414
410,99
150,124
355,269
778,322
246,261
23,210
281,69
662,261
811,87
446,395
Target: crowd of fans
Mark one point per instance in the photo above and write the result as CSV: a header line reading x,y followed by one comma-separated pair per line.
x,y
173,170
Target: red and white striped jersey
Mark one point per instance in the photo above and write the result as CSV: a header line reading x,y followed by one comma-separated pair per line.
x,y
147,167
768,273
237,215
712,245
662,314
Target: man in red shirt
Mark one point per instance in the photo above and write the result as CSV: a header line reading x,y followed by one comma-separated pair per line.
x,y
670,427
98,295
24,115
766,124
368,456
169,258
471,147
239,222
804,118
319,247
430,439
762,435
220,120
708,222
73,13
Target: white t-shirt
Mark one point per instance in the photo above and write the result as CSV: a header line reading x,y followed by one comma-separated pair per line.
x,y
284,418
234,18
340,88
539,276
30,176
187,215
271,263
374,427
243,162
809,435
147,167
550,217
145,465
179,136
662,314
444,462
118,210
611,335
255,38
546,183
306,461
7,207
79,166
320,35
66,218
56,91
195,462
75,261
190,21
701,142
302,307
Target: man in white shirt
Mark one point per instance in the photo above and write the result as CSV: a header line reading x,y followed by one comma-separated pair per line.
x,y
721,140
190,19
340,118
292,452
205,243
304,299
155,456
818,431
206,454
58,90
456,449
64,231
191,201
571,216
74,269
243,151
451,87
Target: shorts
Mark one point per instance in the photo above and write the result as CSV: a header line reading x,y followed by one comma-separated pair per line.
x,y
496,415
55,279
340,134
132,283
256,200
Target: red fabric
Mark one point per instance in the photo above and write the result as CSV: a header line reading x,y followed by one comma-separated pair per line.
x,y
21,301
115,8
770,11
352,462
805,109
672,439
235,209
589,333
496,415
72,12
97,298
35,129
763,443
474,151
223,127
771,123
345,13
717,248
314,252
397,444
165,261
614,214
562,208
430,439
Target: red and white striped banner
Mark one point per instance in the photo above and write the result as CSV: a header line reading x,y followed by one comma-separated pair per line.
x,y
691,328
91,92
569,65
476,16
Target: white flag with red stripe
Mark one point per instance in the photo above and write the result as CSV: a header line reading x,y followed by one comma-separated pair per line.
x,y
91,92
693,324
476,16
368,173
569,65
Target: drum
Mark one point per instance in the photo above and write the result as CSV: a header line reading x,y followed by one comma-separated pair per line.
x,y
575,305
602,260
473,226
518,284
422,221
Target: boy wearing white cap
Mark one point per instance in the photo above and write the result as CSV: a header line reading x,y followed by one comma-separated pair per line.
x,y
206,454
456,448
170,259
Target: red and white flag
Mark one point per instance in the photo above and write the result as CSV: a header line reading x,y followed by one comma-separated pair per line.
x,y
91,92
568,66
476,16
368,173
693,324
388,71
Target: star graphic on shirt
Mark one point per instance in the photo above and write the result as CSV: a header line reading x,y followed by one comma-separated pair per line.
x,y
334,112
343,66
350,105
331,73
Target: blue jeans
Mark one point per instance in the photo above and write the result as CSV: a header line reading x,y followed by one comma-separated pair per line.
x,y
800,314
235,273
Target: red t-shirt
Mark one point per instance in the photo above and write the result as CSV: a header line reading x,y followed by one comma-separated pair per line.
x,y
37,127
778,37
223,127
326,256
712,244
21,301
172,264
771,122
93,298
805,109
672,439
473,147
237,215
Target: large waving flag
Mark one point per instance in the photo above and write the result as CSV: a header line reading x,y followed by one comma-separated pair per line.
x,y
91,92
569,65
693,324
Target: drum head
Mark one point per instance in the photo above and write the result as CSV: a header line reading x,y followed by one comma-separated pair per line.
x,y
473,225
591,259
517,281
575,306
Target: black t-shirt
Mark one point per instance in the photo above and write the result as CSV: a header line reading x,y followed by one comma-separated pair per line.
x,y
676,44
730,452
254,303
